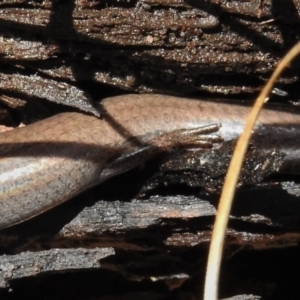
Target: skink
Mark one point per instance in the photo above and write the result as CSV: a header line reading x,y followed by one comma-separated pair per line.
x,y
47,163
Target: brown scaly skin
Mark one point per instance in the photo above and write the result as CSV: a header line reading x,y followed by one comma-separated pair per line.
x,y
47,163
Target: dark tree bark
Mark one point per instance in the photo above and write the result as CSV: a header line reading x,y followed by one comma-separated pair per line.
x,y
106,243
211,47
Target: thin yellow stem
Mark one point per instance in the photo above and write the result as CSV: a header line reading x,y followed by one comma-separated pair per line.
x,y
218,235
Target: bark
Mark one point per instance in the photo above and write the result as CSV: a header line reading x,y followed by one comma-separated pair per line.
x,y
107,242
212,47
